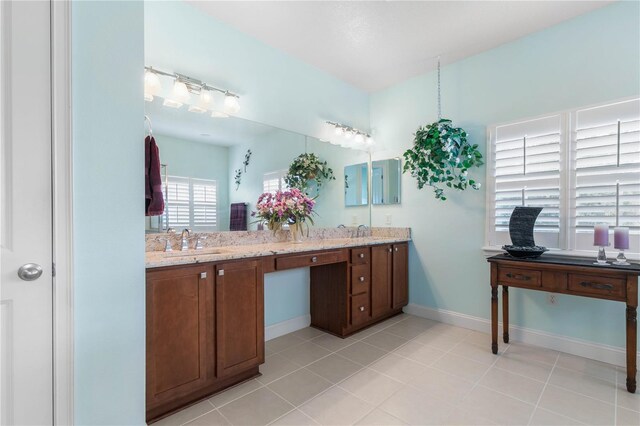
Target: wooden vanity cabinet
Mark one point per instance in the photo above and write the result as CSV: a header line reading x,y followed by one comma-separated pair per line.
x,y
239,316
371,286
178,302
205,331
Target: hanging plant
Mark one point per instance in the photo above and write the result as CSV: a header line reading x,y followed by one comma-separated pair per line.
x,y
441,156
307,168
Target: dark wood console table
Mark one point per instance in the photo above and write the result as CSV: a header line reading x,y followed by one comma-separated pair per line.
x,y
567,275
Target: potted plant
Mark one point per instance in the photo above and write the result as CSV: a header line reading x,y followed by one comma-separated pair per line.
x,y
307,168
441,157
292,207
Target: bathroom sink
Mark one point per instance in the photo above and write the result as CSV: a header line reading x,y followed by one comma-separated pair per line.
x,y
193,252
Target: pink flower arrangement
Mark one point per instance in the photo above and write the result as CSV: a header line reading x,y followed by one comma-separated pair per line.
x,y
292,206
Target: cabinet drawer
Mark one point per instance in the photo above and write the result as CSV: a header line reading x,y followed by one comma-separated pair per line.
x,y
360,255
311,259
360,309
360,279
519,277
598,286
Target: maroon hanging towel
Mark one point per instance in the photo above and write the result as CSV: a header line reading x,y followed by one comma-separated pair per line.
x,y
154,200
238,220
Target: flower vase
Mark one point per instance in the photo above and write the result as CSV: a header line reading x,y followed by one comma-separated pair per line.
x,y
296,232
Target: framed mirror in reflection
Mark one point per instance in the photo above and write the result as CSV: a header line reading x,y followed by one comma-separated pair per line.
x,y
356,185
210,185
386,177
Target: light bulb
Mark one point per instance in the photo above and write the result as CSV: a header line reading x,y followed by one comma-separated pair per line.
x,y
231,104
369,140
359,138
339,131
205,97
348,134
152,84
180,91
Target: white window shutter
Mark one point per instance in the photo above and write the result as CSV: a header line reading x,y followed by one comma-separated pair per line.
x,y
191,203
606,172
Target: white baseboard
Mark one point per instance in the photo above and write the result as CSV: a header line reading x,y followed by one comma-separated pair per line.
x,y
599,352
286,327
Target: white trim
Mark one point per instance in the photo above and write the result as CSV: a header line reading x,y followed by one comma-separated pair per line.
x,y
286,327
62,211
599,352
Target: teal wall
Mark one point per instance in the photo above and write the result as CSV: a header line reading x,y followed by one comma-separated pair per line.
x,y
199,160
108,212
592,58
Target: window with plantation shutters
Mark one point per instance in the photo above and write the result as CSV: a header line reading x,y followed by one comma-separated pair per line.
x,y
274,181
526,172
606,170
582,166
190,203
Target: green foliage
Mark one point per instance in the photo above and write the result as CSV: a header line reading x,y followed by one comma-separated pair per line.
x,y
306,168
441,157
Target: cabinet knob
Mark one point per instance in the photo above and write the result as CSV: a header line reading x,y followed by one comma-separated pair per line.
x,y
390,250
203,275
314,259
361,279
221,272
396,249
361,308
361,255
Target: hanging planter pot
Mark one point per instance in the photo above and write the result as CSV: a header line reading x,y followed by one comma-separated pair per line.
x,y
441,156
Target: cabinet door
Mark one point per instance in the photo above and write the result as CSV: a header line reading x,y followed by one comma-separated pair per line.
x,y
381,291
239,317
400,275
176,332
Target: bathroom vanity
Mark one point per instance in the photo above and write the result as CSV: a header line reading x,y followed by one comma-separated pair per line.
x,y
205,311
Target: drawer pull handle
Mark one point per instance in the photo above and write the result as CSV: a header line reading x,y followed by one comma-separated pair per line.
x,y
314,259
520,277
361,279
203,275
597,286
361,255
361,308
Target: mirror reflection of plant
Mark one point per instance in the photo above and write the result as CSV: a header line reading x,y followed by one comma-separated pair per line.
x,y
247,157
442,156
238,178
306,168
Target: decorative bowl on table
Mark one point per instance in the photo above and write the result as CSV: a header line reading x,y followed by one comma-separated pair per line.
x,y
525,252
521,226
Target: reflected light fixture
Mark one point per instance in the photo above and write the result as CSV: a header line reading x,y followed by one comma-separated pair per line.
x,y
231,103
219,114
152,84
180,91
197,109
171,103
339,131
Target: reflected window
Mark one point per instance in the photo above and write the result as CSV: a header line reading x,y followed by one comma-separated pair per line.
x,y
191,203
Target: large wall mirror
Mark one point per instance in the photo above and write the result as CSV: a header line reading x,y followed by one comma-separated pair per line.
x,y
386,177
202,155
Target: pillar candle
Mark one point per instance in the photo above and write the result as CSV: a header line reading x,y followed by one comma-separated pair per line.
x,y
601,235
621,238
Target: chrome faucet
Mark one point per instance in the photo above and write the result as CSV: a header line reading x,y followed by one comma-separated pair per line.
x,y
185,240
364,228
341,226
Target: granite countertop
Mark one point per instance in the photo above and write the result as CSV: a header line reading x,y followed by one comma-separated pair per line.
x,y
157,259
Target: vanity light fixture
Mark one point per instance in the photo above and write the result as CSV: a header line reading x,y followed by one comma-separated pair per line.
x,y
196,109
183,87
219,114
348,132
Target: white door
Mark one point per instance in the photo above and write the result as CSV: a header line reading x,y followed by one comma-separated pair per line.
x,y
26,355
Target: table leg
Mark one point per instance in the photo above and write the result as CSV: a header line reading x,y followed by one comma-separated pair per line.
x,y
505,313
632,339
494,319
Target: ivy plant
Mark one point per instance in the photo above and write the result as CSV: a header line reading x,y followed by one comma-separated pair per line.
x,y
441,157
307,168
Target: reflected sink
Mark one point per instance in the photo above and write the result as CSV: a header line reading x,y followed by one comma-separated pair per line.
x,y
192,252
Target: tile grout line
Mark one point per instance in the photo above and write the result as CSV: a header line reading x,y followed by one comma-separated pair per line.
x,y
544,388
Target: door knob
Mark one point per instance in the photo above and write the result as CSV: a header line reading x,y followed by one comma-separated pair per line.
x,y
30,272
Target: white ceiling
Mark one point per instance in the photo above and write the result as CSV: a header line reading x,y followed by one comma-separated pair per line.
x,y
374,44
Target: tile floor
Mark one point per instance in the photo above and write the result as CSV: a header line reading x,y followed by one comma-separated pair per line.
x,y
409,370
